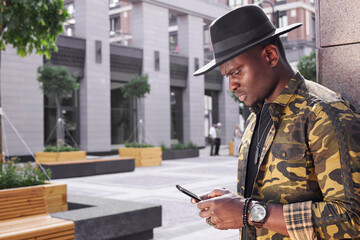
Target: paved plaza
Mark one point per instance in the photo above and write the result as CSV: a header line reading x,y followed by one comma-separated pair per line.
x,y
180,220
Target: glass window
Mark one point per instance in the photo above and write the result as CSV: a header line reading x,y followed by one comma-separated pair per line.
x,y
283,22
70,116
123,116
211,110
115,24
173,42
176,115
114,3
235,3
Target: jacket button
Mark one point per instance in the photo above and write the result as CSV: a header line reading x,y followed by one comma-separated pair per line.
x,y
283,154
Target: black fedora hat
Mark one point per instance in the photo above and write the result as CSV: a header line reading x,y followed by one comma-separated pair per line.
x,y
238,31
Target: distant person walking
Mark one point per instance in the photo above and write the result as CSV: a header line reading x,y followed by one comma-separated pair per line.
x,y
212,136
217,139
237,140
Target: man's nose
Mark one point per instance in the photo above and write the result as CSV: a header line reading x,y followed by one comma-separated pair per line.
x,y
233,85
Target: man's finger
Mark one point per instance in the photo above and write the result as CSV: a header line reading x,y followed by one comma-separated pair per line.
x,y
204,205
218,193
204,214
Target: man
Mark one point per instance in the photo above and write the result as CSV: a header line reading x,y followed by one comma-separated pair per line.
x,y
299,168
217,138
212,136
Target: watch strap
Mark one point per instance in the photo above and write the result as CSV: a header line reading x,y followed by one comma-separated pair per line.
x,y
245,212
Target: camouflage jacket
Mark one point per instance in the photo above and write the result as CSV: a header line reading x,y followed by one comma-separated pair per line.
x,y
310,163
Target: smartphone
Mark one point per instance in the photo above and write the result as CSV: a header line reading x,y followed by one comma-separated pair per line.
x,y
187,192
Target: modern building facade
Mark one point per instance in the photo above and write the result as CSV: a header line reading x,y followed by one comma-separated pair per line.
x,y
100,116
108,42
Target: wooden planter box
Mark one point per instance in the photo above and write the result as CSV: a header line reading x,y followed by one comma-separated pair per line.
x,y
182,153
56,196
55,193
144,157
43,157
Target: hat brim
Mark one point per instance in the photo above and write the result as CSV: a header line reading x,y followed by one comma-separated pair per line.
x,y
216,62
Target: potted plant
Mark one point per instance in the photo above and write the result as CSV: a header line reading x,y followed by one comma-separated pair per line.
x,y
62,154
145,155
57,82
16,176
180,151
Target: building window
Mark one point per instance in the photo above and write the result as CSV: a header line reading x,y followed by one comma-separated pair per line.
x,y
114,25
208,53
173,42
235,3
70,116
211,110
283,21
313,26
69,30
172,20
176,100
70,9
307,21
123,116
114,3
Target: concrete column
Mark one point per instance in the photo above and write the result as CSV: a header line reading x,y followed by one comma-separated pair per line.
x,y
191,44
150,32
22,101
228,113
338,54
92,23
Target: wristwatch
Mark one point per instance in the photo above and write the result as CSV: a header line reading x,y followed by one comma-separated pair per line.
x,y
258,214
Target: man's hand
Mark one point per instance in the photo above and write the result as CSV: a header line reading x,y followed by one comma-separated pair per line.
x,y
223,207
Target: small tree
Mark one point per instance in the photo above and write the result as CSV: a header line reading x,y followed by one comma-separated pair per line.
x,y
56,81
137,88
307,66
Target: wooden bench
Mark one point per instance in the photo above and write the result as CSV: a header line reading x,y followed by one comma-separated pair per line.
x,y
24,215
81,168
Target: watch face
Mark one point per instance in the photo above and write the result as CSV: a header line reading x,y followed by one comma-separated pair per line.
x,y
257,213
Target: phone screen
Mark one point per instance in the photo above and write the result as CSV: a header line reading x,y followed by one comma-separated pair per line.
x,y
187,192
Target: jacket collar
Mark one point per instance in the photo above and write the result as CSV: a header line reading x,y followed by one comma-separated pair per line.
x,y
284,97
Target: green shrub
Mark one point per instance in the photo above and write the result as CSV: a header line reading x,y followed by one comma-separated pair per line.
x,y
163,148
61,149
138,145
21,175
307,66
178,146
190,145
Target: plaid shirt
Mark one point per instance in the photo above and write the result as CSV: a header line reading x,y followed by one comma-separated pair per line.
x,y
310,163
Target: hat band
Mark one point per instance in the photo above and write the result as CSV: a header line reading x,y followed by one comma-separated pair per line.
x,y
241,39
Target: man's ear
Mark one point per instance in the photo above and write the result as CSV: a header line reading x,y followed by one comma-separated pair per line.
x,y
272,54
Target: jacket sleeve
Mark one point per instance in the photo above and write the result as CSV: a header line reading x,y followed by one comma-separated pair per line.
x,y
334,143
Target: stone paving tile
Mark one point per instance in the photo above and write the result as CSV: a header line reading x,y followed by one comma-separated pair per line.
x,y
156,185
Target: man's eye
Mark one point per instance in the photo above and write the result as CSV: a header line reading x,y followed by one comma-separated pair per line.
x,y
236,73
